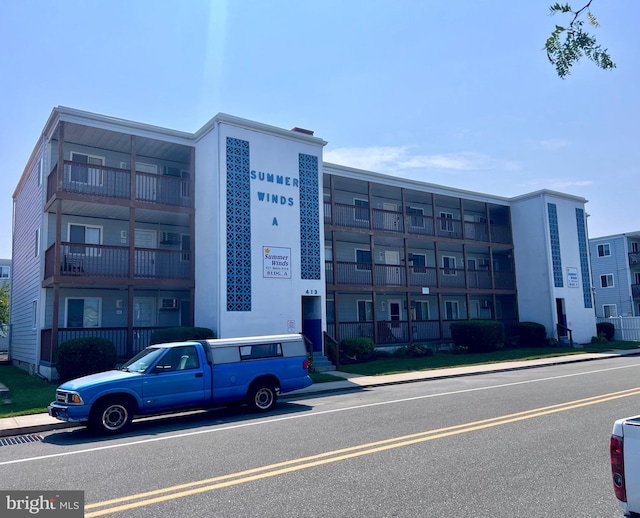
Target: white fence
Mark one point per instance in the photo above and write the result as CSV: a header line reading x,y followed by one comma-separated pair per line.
x,y
627,328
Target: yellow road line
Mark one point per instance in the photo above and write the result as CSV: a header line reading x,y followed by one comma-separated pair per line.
x,y
242,477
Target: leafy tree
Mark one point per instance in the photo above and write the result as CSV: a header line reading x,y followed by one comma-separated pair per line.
x,y
4,303
567,45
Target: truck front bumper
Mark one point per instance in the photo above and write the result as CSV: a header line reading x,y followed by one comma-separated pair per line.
x,y
68,412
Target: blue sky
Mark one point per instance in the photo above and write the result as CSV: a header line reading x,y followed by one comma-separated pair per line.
x,y
453,93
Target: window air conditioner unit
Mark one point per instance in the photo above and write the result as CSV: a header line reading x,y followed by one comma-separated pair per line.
x,y
169,304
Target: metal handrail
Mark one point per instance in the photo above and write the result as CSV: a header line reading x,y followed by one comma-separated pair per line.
x,y
560,327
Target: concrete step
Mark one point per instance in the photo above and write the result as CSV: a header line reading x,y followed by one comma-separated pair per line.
x,y
321,364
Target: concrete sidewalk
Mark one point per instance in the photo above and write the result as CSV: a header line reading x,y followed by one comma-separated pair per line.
x,y
36,423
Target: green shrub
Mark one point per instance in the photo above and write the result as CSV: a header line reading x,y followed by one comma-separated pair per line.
x,y
180,334
359,349
606,329
82,356
413,351
599,340
478,336
530,334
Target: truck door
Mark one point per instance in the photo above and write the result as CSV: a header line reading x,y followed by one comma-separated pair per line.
x,y
178,380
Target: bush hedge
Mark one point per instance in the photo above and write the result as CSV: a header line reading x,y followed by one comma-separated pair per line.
x,y
530,334
353,350
82,356
478,336
180,334
606,329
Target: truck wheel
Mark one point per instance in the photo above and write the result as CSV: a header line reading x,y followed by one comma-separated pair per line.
x,y
111,416
262,397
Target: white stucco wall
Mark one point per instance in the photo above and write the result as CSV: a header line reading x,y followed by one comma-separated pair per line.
x,y
276,302
534,268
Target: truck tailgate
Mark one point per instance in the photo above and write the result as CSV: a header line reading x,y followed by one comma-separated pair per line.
x,y
631,434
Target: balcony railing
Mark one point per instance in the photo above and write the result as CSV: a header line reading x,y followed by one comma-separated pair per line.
x,y
108,261
634,258
635,291
504,280
358,274
358,216
117,335
111,182
479,279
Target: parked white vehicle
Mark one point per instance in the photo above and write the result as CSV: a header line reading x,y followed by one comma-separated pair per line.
x,y
625,469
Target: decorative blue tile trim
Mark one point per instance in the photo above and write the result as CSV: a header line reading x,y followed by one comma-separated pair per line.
x,y
555,245
584,258
238,226
309,217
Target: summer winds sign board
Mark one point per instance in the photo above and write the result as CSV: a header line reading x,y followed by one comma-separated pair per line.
x,y
276,262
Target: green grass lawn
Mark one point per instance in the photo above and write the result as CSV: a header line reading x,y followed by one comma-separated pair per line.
x,y
443,360
31,395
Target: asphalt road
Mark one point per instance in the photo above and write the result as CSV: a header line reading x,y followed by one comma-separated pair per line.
x,y
529,443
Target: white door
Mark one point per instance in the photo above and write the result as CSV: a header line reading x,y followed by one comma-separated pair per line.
x,y
145,257
392,257
144,315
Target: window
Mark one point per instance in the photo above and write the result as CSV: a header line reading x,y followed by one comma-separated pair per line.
x,y
85,234
637,278
365,311
185,246
331,311
449,265
81,170
416,217
83,312
361,211
179,359
5,272
363,259
419,310
37,243
451,311
606,281
253,352
419,262
609,310
604,250
446,221
634,247
186,185
34,314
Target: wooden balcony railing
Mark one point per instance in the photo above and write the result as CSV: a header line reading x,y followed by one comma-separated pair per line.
x,y
112,182
109,261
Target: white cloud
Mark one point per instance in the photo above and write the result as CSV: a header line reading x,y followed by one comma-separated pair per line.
x,y
398,159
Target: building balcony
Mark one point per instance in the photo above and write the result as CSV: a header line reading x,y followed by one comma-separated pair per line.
x,y
81,181
362,217
634,258
635,291
81,263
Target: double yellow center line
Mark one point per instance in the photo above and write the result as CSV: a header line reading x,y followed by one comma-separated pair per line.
x,y
242,477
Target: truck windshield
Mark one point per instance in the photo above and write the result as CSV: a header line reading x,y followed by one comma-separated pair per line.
x,y
143,360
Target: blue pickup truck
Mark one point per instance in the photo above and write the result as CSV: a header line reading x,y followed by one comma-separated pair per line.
x,y
186,375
